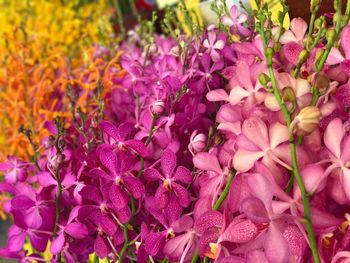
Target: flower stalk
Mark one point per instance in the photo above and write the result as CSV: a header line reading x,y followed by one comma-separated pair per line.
x,y
296,173
125,246
151,131
225,191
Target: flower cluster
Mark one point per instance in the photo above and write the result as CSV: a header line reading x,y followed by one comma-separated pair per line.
x,y
230,145
38,53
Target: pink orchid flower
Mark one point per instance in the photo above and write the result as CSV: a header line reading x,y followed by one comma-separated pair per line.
x,y
301,88
247,89
337,58
15,170
296,33
213,45
293,40
181,247
235,21
171,180
261,142
337,142
215,177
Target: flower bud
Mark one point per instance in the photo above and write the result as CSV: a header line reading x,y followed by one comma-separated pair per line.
x,y
269,54
288,94
198,142
319,54
277,47
322,83
263,79
330,35
314,5
157,107
303,55
306,121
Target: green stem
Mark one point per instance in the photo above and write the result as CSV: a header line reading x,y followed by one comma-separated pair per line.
x,y
195,257
58,204
319,66
125,246
225,192
296,173
311,24
142,165
216,206
151,131
306,203
347,9
300,64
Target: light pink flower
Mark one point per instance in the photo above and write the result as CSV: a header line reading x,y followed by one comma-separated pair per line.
x,y
247,89
296,33
213,45
301,88
261,142
337,142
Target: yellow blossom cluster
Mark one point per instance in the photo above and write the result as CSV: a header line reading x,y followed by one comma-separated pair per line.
x,y
42,44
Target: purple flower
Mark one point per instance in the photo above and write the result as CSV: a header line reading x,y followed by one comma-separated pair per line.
x,y
16,170
117,136
235,22
213,45
119,181
171,180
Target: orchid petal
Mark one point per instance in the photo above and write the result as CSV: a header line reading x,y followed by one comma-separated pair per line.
x,y
207,162
57,244
333,136
244,160
168,162
276,247
298,27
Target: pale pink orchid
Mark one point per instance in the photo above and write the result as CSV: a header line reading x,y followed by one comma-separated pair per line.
x,y
264,210
279,241
247,89
336,57
266,143
213,45
229,118
215,177
296,33
337,142
341,257
293,40
301,88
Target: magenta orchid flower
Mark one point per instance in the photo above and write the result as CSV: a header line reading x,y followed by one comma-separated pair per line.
x,y
15,170
213,45
71,229
235,21
170,180
117,136
119,180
